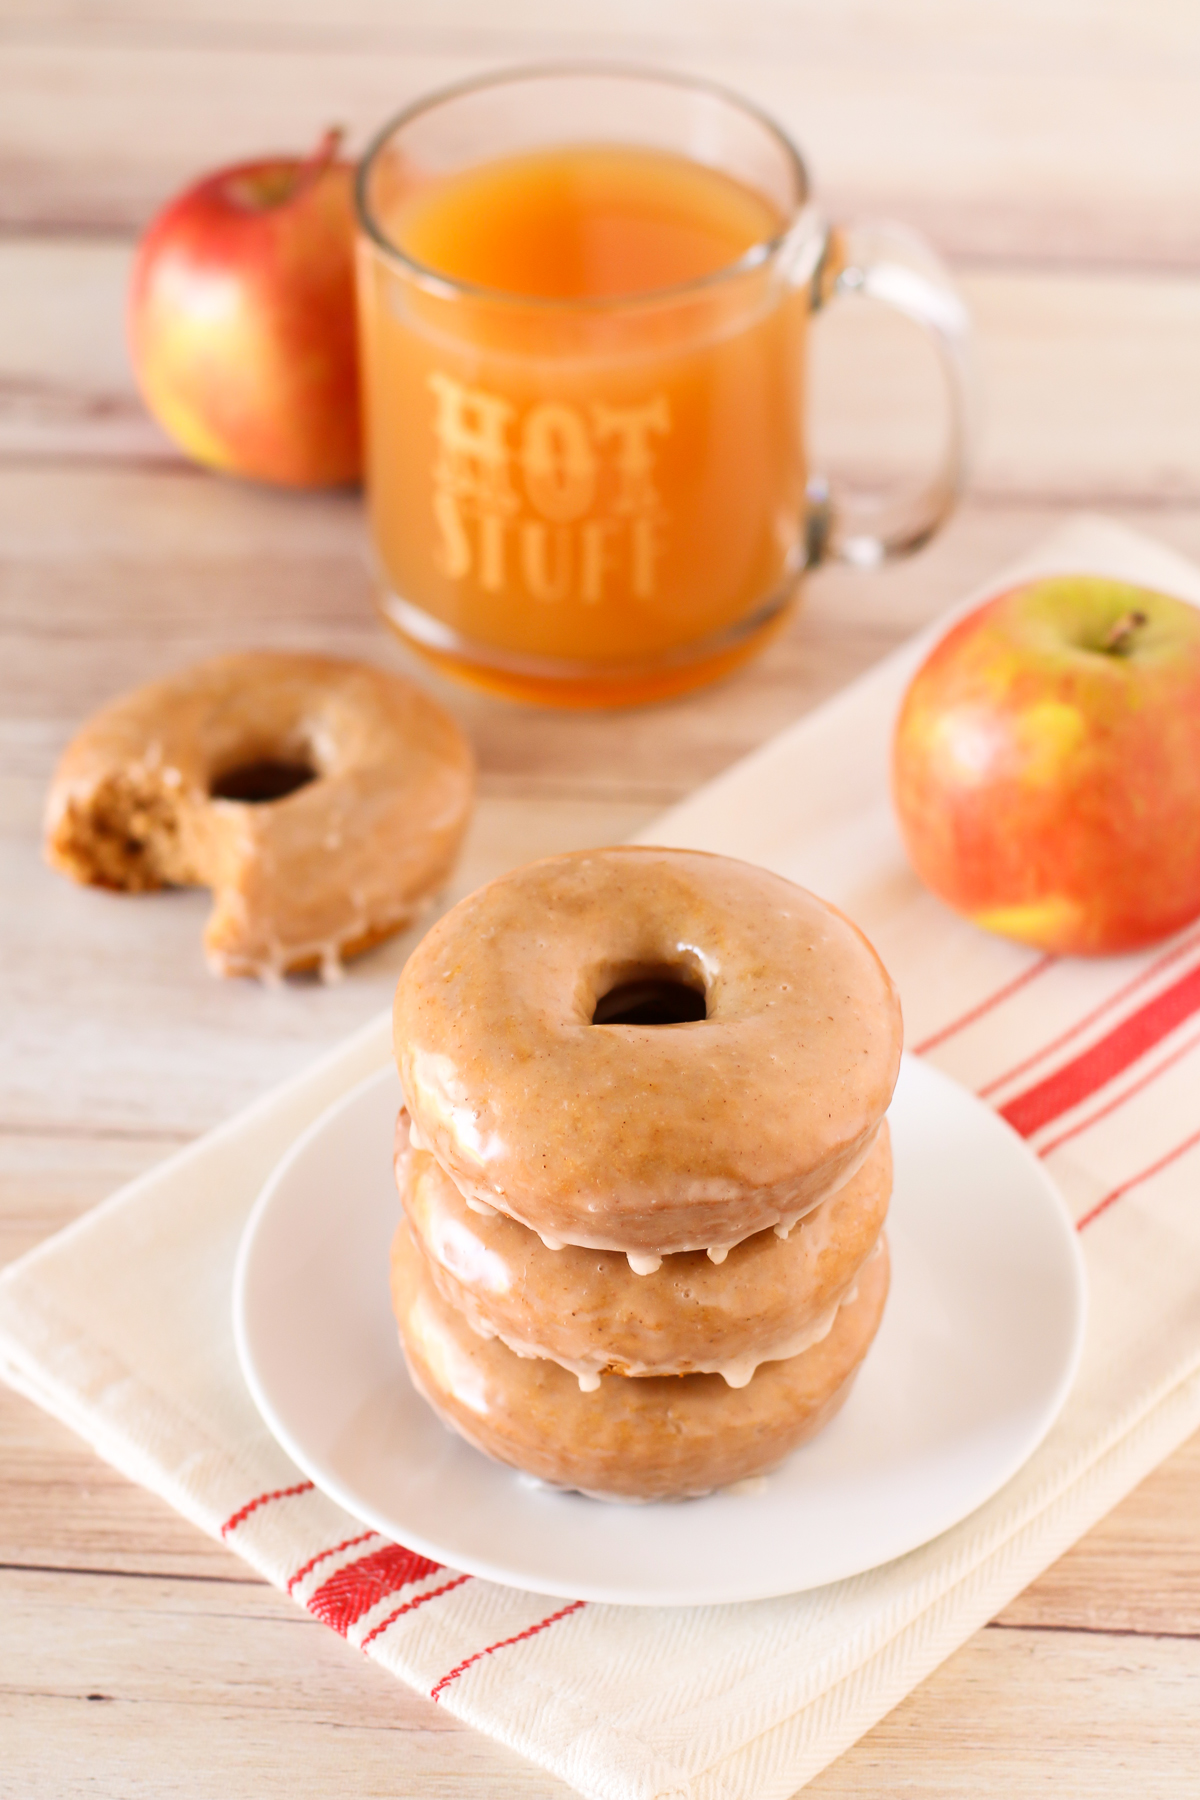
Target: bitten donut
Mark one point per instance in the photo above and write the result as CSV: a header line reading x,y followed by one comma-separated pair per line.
x,y
661,1438
322,801
770,1298
530,1079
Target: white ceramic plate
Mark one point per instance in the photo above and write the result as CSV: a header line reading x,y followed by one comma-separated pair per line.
x,y
977,1350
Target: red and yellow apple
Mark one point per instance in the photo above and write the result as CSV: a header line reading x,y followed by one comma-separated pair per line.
x,y
1046,765
241,320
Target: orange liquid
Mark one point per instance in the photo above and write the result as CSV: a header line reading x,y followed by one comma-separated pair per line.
x,y
585,224
577,464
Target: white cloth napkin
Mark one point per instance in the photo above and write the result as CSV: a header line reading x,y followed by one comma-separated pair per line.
x,y
121,1324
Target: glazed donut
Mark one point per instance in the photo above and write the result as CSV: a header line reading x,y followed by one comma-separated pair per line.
x,y
767,1300
661,1438
625,1136
322,801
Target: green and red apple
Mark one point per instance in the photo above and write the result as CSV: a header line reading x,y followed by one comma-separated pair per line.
x,y
242,322
1046,765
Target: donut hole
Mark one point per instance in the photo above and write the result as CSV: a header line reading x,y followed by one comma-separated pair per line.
x,y
657,997
265,779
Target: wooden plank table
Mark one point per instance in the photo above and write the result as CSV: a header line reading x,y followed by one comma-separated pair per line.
x,y
1053,153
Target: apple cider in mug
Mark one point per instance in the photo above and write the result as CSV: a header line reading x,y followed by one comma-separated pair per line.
x,y
583,482
584,299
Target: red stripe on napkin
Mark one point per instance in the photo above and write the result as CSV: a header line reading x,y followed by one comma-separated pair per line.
x,y
1097,1066
1118,1193
358,1586
1113,1106
530,1631
1122,993
243,1512
411,1606
324,1555
985,1006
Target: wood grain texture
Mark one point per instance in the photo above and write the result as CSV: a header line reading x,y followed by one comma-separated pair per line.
x,y
1137,1571
103,1698
1057,133
1053,152
1021,1714
1087,386
109,1702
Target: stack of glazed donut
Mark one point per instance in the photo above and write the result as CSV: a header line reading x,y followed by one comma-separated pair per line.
x,y
644,1168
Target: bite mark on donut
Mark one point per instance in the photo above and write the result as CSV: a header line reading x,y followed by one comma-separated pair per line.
x,y
321,801
125,836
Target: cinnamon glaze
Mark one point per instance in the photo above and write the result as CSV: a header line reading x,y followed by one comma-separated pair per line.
x,y
584,1309
647,1139
663,1437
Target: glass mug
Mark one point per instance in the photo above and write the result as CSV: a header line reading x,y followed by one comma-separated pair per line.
x,y
584,298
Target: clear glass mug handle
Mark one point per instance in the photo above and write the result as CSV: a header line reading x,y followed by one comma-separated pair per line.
x,y
891,264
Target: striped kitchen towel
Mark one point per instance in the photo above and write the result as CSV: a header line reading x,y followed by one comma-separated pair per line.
x,y
121,1324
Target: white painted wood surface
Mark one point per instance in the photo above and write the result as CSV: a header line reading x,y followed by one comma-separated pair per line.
x,y
1053,153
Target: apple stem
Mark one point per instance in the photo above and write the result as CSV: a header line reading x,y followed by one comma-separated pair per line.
x,y
315,164
260,187
1116,643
